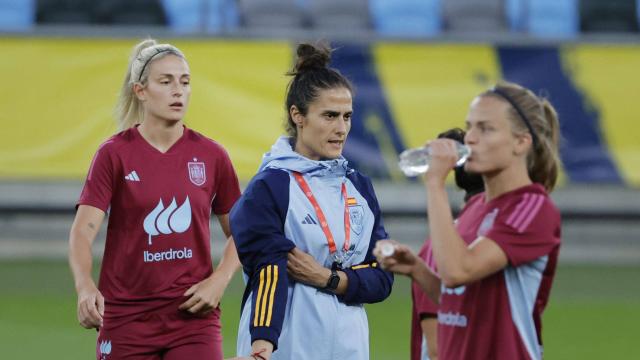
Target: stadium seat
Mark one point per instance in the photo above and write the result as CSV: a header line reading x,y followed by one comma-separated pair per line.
x,y
183,16
406,18
470,16
552,18
608,16
222,15
270,14
516,12
189,16
342,15
17,15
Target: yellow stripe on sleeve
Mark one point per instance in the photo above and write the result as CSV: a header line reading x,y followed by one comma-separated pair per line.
x,y
364,266
257,310
271,294
264,298
360,266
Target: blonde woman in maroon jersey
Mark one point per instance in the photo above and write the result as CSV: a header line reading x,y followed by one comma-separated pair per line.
x,y
159,182
496,263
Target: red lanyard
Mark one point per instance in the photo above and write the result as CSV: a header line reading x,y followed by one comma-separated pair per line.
x,y
323,221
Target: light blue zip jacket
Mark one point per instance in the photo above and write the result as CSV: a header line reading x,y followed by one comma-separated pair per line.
x,y
272,217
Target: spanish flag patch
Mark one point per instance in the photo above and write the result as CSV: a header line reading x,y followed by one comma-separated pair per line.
x,y
352,201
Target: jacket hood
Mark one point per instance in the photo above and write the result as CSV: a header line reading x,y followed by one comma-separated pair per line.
x,y
283,157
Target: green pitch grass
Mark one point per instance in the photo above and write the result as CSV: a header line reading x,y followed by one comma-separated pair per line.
x,y
594,313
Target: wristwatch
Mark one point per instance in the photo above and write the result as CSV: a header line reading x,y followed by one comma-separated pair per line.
x,y
333,281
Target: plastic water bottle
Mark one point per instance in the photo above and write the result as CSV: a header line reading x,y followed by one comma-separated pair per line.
x,y
414,162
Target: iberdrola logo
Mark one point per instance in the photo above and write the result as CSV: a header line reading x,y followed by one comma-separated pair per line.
x,y
169,220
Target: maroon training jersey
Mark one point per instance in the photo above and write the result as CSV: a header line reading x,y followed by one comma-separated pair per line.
x,y
159,206
499,316
422,306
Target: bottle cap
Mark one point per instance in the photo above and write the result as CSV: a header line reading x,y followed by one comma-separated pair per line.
x,y
387,249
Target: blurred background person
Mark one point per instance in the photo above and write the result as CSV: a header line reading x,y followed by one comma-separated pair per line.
x,y
305,228
158,181
498,260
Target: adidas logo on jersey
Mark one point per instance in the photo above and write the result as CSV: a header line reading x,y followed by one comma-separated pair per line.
x,y
133,176
308,220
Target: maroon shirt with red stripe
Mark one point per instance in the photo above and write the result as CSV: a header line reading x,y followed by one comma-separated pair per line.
x,y
499,316
159,205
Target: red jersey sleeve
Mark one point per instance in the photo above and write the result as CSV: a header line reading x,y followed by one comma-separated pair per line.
x,y
527,228
98,187
227,186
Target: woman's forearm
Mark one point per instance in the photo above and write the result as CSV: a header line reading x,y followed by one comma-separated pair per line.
x,y
80,260
229,262
449,248
83,232
427,281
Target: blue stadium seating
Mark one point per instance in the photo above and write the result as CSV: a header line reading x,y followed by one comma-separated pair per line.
x,y
406,18
17,15
552,18
392,18
516,13
183,16
190,16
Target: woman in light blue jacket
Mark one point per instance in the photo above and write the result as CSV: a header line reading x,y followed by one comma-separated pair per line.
x,y
305,229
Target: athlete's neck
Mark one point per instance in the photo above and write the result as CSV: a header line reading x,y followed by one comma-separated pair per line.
x,y
504,181
304,150
161,135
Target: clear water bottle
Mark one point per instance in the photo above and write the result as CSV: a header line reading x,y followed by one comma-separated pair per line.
x,y
414,162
